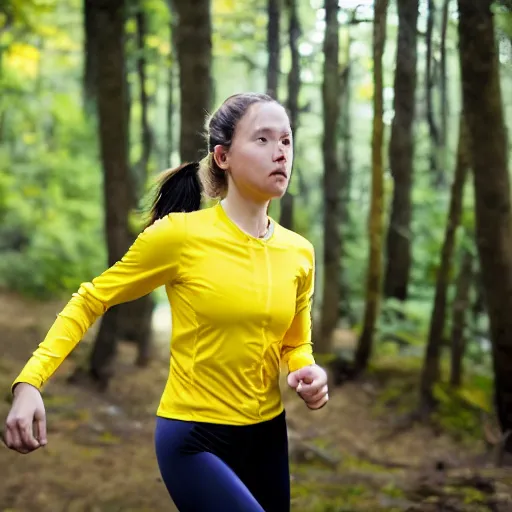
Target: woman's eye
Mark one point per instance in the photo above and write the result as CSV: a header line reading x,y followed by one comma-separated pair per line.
x,y
262,139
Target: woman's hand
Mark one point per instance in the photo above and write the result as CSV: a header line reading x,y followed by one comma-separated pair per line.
x,y
310,383
26,423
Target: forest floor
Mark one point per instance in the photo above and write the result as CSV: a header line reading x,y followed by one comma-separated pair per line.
x,y
348,457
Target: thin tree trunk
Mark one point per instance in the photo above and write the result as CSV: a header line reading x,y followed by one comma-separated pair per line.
x,y
292,104
459,308
431,364
437,176
401,152
118,188
345,130
483,108
170,102
273,47
332,242
443,138
192,26
136,316
376,227
145,130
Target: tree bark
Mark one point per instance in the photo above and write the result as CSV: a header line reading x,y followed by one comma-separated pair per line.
x,y
145,130
136,316
459,308
345,134
193,29
401,152
118,187
331,182
171,74
431,364
273,47
292,103
376,228
437,174
443,136
483,108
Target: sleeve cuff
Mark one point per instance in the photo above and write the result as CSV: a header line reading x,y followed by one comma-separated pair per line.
x,y
298,361
24,379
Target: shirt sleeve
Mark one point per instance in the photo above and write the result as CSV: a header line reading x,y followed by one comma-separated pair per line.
x,y
152,261
297,349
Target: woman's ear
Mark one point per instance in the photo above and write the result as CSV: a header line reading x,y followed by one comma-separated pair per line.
x,y
220,155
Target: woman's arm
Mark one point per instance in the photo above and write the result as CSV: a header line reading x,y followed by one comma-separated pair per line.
x,y
297,349
152,260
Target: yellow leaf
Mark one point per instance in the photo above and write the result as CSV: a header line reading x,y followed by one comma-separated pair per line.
x,y
29,138
477,398
158,43
24,58
31,191
48,30
223,6
365,91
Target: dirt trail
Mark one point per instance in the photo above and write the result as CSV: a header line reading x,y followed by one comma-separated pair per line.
x,y
100,455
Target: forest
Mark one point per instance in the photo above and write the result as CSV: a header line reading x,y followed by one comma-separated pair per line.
x,y
401,114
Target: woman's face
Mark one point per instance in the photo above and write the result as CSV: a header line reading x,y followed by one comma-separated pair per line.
x,y
260,158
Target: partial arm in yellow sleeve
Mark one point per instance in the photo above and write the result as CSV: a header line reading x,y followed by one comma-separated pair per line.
x,y
152,260
297,349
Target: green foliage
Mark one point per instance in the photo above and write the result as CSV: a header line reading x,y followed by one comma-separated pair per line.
x,y
459,411
50,196
51,225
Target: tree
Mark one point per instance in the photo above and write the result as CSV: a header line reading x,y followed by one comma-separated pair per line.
x,y
331,182
292,102
481,94
459,308
401,152
193,38
111,90
432,362
376,227
273,47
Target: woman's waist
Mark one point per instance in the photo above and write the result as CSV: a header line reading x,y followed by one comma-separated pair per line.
x,y
234,397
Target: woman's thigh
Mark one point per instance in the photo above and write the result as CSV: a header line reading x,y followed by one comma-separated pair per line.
x,y
265,471
198,481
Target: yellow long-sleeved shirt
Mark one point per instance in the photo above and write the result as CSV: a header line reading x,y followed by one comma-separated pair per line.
x,y
240,306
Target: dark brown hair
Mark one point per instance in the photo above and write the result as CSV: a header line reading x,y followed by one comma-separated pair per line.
x,y
180,189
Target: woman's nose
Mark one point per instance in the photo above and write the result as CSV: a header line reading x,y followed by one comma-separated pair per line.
x,y
279,153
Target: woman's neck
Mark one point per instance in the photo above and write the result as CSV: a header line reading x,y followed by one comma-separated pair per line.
x,y
250,216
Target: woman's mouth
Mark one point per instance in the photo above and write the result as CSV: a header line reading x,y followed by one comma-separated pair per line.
x,y
279,172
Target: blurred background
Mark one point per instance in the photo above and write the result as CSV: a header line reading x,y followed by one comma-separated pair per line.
x,y
400,111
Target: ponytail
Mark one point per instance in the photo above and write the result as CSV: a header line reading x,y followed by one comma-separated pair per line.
x,y
179,190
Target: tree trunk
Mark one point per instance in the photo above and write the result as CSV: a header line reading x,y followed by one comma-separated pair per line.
x,y
345,134
118,187
136,316
273,47
332,242
292,104
374,273
460,306
483,108
145,130
170,100
401,151
437,174
443,138
193,29
431,364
